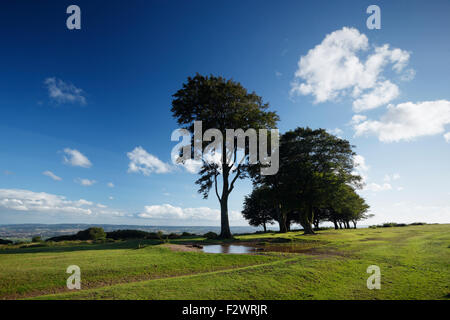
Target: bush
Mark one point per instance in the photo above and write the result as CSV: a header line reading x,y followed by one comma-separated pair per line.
x,y
388,224
173,236
417,224
153,236
93,233
4,241
88,234
127,234
62,238
187,234
36,239
211,235
372,227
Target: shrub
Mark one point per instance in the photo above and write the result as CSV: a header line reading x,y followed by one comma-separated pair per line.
x,y
36,239
211,235
417,224
388,224
62,238
187,234
4,241
173,236
153,236
127,234
93,233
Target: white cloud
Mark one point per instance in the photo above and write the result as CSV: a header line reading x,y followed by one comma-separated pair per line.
x,y
192,166
41,202
75,158
408,212
334,69
337,132
51,175
63,92
357,118
388,177
146,163
375,187
361,168
447,137
166,212
383,93
110,184
111,198
85,182
407,121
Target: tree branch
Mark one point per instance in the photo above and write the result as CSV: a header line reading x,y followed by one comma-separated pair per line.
x,y
215,186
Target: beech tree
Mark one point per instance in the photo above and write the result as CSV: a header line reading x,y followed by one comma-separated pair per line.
x,y
259,208
221,104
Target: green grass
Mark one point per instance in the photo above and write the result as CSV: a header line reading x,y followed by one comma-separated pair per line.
x,y
414,264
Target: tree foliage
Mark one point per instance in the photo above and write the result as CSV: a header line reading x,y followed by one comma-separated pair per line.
x,y
315,181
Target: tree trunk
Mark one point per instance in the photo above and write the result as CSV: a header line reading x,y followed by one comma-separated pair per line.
x,y
225,232
281,219
264,226
354,224
306,219
335,225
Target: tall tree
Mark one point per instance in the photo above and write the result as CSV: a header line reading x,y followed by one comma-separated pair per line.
x,y
315,163
259,208
221,104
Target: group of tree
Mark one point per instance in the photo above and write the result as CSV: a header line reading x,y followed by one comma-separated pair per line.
x,y
315,181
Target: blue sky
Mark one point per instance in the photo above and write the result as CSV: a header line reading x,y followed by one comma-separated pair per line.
x,y
77,103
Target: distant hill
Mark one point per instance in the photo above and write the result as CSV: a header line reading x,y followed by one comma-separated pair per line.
x,y
24,231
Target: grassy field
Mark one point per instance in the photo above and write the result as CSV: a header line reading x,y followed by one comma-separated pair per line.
x,y
414,263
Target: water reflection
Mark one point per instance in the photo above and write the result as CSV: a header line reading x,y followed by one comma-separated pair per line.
x,y
224,248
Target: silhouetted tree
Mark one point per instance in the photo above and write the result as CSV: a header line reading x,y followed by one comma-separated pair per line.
x,y
259,208
221,104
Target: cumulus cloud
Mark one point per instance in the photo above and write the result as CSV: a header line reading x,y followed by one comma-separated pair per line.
x,y
204,214
336,68
85,182
143,162
408,121
447,137
375,187
357,118
41,202
336,131
110,184
75,158
192,166
62,92
382,93
361,168
51,175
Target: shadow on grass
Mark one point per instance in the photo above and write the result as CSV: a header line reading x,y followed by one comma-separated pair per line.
x,y
69,247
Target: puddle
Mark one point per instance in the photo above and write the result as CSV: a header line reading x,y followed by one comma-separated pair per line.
x,y
231,248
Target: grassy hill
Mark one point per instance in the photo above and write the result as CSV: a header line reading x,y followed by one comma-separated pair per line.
x,y
414,262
